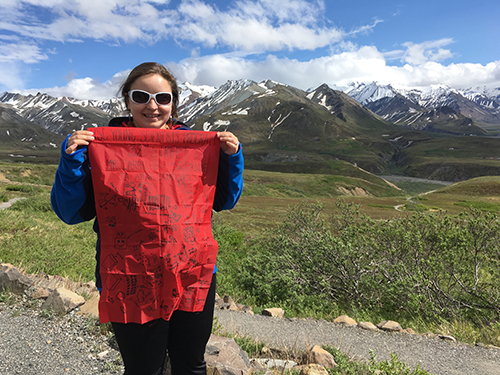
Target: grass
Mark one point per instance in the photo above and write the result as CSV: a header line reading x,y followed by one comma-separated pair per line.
x,y
34,239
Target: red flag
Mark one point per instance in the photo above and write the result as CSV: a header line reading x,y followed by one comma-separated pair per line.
x,y
154,191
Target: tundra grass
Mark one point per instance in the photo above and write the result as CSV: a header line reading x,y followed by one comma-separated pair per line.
x,y
37,241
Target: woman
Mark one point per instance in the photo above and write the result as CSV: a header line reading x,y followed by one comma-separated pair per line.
x,y
151,96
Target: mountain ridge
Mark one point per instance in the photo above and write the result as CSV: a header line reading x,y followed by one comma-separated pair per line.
x,y
287,129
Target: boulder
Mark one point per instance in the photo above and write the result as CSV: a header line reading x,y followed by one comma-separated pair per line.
x,y
368,326
224,356
390,326
90,307
62,301
321,357
13,280
346,321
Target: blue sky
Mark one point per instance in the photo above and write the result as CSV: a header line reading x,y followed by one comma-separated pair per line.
x,y
85,48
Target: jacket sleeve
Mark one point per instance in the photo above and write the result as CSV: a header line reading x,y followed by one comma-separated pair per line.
x,y
229,181
72,195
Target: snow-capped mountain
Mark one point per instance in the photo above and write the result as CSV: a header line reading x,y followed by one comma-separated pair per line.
x,y
413,107
228,95
290,130
62,115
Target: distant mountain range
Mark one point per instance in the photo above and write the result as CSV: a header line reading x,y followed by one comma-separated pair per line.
x,y
376,127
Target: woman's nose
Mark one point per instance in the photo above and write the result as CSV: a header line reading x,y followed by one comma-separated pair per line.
x,y
152,103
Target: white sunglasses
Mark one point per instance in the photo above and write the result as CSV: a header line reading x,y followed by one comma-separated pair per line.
x,y
143,97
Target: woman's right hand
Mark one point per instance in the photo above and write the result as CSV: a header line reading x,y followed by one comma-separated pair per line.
x,y
77,139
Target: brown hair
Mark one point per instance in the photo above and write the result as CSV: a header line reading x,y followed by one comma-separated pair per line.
x,y
152,68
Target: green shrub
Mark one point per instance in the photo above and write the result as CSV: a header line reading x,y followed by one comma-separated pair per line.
x,y
430,266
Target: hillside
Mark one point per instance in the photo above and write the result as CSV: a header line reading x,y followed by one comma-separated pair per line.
x,y
415,133
21,139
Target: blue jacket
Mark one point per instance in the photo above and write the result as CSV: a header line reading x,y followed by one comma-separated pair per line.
x,y
72,194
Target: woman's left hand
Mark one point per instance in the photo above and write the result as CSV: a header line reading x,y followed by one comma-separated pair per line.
x,y
228,142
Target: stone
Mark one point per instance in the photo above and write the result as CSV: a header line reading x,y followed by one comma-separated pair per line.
x,y
62,301
13,280
346,321
271,363
90,307
321,357
447,338
40,293
390,326
409,331
245,308
368,326
224,356
313,369
275,312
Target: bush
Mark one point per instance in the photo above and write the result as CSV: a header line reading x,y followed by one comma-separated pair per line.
x,y
434,266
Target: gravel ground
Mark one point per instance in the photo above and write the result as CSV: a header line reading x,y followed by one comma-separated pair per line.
x,y
31,343
432,354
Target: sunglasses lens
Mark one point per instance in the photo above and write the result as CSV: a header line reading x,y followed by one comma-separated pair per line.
x,y
163,98
140,97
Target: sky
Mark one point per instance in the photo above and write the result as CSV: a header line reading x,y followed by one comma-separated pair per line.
x,y
85,48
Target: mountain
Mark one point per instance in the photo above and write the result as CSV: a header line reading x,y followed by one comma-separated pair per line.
x,y
20,138
62,115
287,129
377,128
437,108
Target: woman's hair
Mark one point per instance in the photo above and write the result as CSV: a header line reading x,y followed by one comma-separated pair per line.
x,y
152,68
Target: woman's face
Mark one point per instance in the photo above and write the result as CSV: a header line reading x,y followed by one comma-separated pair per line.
x,y
151,114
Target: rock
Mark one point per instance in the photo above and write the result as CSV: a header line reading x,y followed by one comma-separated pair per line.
x,y
224,356
275,312
102,355
447,338
312,369
390,326
40,293
271,363
229,301
409,331
321,357
13,280
345,320
62,301
368,326
245,308
90,307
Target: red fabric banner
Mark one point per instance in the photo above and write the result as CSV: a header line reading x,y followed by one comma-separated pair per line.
x,y
154,191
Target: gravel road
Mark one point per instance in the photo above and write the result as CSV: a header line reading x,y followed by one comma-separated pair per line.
x,y
434,355
31,343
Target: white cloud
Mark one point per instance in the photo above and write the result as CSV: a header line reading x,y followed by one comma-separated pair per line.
x,y
28,53
258,26
421,53
363,64
245,28
86,88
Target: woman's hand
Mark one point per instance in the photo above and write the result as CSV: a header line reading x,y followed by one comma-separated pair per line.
x,y
78,139
228,142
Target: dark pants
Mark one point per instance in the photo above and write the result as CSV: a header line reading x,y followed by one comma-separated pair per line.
x,y
144,346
